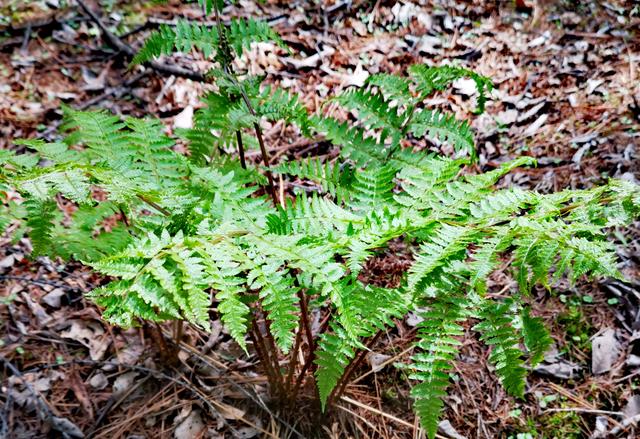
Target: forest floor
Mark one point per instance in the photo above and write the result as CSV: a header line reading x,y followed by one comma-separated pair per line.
x,y
567,93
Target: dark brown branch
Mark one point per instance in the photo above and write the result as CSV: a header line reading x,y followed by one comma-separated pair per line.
x,y
115,42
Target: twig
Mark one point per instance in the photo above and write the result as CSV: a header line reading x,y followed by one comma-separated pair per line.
x,y
123,47
584,410
376,411
114,403
117,91
24,48
623,426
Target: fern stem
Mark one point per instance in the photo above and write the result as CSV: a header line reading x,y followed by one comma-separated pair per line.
x,y
311,342
353,366
263,357
273,349
155,205
293,363
227,68
178,331
243,162
270,350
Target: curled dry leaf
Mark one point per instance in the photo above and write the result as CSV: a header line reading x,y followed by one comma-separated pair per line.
x,y
90,334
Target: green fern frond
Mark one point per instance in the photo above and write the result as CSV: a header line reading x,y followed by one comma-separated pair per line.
x,y
332,178
496,330
85,239
100,131
183,37
446,244
437,346
536,336
445,128
372,188
41,215
278,293
364,311
333,355
486,258
43,184
154,156
373,109
278,104
356,145
430,79
192,297
243,32
224,273
395,87
311,216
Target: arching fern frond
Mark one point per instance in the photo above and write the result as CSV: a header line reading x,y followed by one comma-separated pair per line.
x,y
496,330
430,79
437,346
445,128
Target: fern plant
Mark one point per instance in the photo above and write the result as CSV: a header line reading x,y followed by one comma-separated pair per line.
x,y
205,233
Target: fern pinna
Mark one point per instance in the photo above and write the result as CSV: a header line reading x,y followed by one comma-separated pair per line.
x,y
197,234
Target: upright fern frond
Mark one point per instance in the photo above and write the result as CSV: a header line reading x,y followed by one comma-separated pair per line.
x,y
355,144
182,37
373,109
393,86
244,32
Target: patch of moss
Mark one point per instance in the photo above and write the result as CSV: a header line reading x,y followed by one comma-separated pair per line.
x,y
575,325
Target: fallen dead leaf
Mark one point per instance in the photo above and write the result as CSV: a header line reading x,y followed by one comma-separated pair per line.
x,y
90,334
190,427
605,351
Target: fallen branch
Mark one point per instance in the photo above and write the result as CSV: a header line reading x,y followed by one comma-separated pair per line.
x,y
115,42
